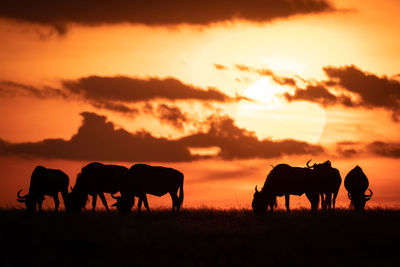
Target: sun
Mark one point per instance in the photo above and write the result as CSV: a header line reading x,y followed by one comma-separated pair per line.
x,y
269,115
264,91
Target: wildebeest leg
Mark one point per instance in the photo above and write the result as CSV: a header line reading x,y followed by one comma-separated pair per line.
x,y
323,200
271,203
328,201
334,199
39,203
139,205
56,202
287,198
94,200
175,201
146,204
103,199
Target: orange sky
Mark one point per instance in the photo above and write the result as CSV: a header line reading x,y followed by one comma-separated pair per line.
x,y
231,78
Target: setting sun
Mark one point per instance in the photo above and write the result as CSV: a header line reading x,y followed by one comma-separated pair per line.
x,y
270,116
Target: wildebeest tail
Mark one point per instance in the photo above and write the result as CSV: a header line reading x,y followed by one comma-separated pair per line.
x,y
181,193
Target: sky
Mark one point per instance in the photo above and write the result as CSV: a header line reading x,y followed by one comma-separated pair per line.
x,y
220,91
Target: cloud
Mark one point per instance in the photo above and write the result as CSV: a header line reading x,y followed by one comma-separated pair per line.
x,y
9,88
267,72
171,115
61,14
319,94
220,67
349,149
375,148
238,143
121,94
384,149
98,139
130,90
351,87
374,91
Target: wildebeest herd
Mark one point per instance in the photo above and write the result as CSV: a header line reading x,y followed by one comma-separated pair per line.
x,y
95,179
319,182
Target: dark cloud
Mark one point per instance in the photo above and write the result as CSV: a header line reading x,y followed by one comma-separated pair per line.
x,y
98,139
384,149
120,94
117,107
9,88
60,14
171,115
129,90
373,91
238,143
376,148
319,94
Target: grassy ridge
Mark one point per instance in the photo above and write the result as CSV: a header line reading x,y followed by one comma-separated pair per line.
x,y
201,237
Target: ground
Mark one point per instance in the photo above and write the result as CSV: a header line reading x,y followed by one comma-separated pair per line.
x,y
201,237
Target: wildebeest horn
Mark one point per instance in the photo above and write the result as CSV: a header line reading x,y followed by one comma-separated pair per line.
x,y
272,166
308,166
19,195
114,197
368,197
256,189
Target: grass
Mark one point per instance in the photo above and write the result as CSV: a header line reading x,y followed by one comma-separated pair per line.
x,y
201,237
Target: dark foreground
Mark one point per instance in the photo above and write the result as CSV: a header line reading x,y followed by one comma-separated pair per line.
x,y
201,237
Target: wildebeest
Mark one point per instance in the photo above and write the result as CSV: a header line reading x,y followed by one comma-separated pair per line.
x,y
96,179
356,183
155,180
45,182
329,181
285,180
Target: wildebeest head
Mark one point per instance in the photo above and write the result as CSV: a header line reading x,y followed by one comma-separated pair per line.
x,y
124,202
321,166
358,199
75,201
27,199
259,203
356,184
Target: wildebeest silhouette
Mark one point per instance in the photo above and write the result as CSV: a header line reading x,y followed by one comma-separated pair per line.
x,y
329,182
96,179
45,182
155,180
285,180
356,183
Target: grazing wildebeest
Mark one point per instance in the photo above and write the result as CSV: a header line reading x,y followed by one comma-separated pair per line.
x,y
356,183
145,179
285,180
96,179
329,183
45,182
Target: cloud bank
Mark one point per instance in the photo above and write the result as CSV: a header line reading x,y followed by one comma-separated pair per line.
x,y
98,139
369,90
60,14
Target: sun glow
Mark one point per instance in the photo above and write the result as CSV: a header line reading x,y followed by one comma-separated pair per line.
x,y
264,91
270,116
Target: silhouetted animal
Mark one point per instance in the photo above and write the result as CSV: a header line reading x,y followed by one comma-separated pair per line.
x,y
329,182
96,179
356,183
145,179
285,180
45,182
